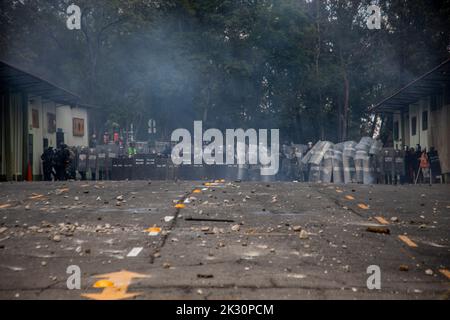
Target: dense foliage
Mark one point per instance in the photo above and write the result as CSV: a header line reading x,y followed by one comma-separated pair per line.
x,y
309,67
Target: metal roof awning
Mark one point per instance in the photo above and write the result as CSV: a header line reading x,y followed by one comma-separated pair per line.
x,y
428,84
14,77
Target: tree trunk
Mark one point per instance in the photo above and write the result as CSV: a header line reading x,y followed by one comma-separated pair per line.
x,y
346,106
317,65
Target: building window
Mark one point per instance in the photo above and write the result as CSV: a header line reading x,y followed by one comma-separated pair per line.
x,y
436,102
396,130
51,123
425,120
78,127
413,126
35,118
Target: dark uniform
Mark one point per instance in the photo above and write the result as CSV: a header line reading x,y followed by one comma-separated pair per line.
x,y
435,164
101,163
47,163
62,162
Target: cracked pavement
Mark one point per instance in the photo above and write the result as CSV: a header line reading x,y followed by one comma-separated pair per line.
x,y
225,240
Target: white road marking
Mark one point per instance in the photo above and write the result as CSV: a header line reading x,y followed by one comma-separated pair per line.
x,y
134,252
168,218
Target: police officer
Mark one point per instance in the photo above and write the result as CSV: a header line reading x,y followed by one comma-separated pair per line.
x,y
131,150
47,163
62,161
58,164
435,165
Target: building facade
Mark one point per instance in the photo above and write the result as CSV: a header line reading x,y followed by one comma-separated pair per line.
x,y
421,114
34,115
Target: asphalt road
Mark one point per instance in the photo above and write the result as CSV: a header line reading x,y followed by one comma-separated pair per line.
x,y
224,240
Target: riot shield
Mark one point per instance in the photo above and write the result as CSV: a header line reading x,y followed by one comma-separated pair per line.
x,y
326,167
348,162
139,171
117,172
101,162
338,168
128,168
399,166
92,163
150,166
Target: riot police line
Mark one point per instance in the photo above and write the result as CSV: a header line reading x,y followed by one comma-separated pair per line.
x,y
365,162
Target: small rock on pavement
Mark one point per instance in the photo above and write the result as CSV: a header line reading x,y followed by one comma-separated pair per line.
x,y
236,227
394,219
297,228
403,267
379,230
119,198
303,235
429,272
57,238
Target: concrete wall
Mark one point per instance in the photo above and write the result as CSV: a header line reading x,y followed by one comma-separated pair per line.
x,y
437,134
440,136
64,121
48,107
35,103
399,141
422,136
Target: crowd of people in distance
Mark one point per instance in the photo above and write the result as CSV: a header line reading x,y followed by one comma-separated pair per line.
x,y
58,164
